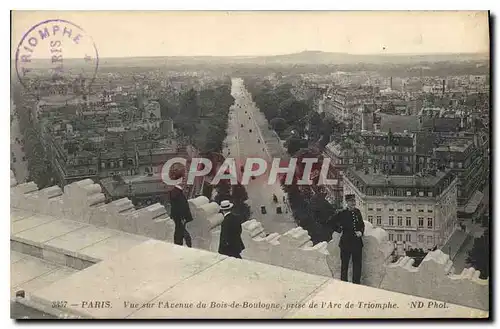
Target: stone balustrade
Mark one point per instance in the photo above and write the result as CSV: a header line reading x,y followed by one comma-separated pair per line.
x,y
376,254
435,277
205,228
293,250
83,201
13,180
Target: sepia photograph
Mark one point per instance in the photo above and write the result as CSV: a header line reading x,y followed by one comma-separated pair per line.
x,y
250,165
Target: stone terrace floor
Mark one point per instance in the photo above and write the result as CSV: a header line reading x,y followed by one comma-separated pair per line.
x,y
30,273
131,271
140,282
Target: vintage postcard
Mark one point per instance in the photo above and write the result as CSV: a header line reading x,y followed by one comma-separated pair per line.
x,y
250,164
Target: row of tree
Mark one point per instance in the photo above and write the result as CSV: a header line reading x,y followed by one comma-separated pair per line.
x,y
280,107
293,120
236,194
201,116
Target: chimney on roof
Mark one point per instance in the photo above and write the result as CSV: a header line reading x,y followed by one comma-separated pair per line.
x,y
444,85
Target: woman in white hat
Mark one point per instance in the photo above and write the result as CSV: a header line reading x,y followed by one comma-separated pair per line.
x,y
230,235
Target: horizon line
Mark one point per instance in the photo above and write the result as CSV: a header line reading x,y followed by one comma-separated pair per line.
x,y
316,51
293,53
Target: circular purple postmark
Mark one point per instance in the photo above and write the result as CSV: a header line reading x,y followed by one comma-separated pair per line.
x,y
57,59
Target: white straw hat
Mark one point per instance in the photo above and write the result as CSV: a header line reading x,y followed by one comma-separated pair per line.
x,y
226,205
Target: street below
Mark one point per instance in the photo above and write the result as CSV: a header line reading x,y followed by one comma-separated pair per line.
x,y
246,138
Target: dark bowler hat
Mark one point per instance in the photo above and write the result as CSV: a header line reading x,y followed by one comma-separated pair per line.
x,y
349,197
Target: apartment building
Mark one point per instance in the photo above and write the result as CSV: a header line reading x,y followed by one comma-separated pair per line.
x,y
420,211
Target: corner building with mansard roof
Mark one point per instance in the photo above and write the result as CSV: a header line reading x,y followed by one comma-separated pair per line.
x,y
417,211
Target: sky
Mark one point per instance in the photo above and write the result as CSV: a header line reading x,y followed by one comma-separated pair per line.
x,y
217,33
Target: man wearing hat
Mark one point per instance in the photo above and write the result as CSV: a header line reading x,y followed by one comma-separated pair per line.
x,y
230,243
350,223
181,215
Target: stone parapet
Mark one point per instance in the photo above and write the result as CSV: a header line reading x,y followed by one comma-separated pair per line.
x,y
204,285
83,202
377,252
205,228
13,180
293,249
434,277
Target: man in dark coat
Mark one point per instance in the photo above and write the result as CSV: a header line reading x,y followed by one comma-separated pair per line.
x,y
350,223
181,215
230,234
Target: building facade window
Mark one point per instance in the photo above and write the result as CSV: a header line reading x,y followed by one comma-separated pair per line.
x,y
421,193
408,193
421,222
399,237
391,220
379,208
391,237
421,238
408,208
430,240
429,194
379,220
400,220
429,222
370,219
408,221
370,207
408,237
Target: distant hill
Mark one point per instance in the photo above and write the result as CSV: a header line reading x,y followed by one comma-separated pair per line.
x,y
305,57
302,58
321,57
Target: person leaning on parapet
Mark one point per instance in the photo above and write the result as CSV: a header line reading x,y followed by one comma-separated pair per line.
x,y
181,215
350,223
230,243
